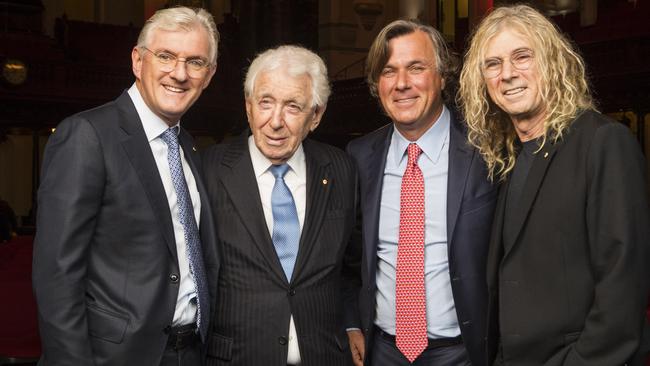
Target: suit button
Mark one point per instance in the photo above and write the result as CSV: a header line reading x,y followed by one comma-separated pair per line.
x,y
282,340
292,292
173,277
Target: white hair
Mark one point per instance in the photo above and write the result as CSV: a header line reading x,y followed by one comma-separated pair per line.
x,y
296,61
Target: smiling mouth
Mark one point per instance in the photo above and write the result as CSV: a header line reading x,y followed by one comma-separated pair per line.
x,y
404,100
514,91
173,89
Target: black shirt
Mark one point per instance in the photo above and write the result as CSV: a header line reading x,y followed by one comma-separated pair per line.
x,y
525,156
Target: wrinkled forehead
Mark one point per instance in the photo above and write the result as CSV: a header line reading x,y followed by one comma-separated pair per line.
x,y
517,33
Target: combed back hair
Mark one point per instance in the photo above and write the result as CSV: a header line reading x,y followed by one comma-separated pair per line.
x,y
562,81
297,61
378,55
185,19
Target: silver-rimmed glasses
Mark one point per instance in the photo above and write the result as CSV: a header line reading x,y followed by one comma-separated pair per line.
x,y
520,59
195,67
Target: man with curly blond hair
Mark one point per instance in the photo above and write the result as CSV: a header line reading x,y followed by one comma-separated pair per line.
x,y
568,259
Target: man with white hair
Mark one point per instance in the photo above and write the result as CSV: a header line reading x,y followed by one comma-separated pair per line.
x,y
121,267
284,209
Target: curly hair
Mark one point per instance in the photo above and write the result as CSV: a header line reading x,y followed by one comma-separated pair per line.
x,y
563,85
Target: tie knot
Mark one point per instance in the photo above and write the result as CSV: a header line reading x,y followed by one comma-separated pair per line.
x,y
170,136
279,171
414,152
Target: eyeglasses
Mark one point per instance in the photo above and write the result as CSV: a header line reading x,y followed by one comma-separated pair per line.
x,y
520,60
195,67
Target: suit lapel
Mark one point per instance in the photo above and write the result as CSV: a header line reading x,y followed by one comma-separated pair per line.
x,y
139,153
372,167
495,252
534,180
460,160
317,197
206,223
238,178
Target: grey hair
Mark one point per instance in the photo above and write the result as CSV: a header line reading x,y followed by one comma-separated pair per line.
x,y
297,61
182,18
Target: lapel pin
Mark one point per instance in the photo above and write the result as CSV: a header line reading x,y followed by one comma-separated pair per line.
x,y
193,148
545,154
324,181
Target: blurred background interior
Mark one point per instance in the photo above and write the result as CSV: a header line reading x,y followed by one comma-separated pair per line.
x,y
59,57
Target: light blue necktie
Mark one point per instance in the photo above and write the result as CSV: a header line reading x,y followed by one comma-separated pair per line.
x,y
286,228
190,229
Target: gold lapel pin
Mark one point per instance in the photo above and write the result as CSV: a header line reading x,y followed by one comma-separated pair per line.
x,y
545,154
193,148
324,181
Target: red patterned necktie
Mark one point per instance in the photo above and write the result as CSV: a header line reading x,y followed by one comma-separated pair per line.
x,y
410,301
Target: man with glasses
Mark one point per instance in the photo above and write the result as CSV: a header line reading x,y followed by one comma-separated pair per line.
x,y
568,261
124,247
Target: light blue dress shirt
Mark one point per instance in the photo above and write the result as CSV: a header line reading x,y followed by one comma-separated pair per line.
x,y
434,162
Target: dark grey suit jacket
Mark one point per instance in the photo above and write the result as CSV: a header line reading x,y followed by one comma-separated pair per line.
x,y
105,271
254,300
470,205
572,288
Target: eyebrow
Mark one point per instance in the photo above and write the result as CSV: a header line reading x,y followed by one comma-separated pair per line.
x,y
512,53
411,63
175,54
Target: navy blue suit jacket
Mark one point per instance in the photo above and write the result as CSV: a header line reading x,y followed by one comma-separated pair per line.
x,y
470,206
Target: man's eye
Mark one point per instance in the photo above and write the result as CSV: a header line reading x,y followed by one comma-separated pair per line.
x,y
492,64
387,72
165,57
416,69
196,63
294,108
521,57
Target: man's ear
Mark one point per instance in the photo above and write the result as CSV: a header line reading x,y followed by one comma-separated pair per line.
x,y
249,111
442,84
136,62
211,72
316,118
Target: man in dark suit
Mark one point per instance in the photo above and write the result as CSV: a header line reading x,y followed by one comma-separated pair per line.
x,y
120,268
426,209
568,265
284,209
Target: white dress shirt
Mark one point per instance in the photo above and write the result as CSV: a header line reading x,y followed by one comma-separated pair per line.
x,y
296,180
154,126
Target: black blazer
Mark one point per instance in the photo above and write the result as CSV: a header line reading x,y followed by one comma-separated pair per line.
x,y
572,288
470,205
105,271
254,299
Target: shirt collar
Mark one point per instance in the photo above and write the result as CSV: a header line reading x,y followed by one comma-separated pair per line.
x,y
261,163
431,142
153,125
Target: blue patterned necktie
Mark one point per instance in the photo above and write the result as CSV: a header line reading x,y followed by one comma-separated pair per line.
x,y
191,230
286,228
